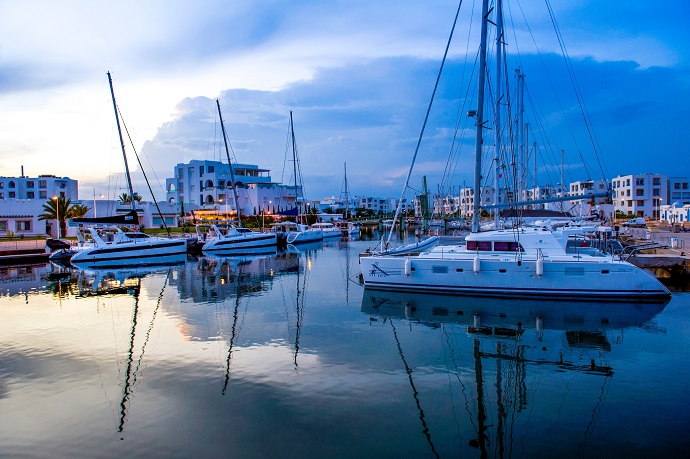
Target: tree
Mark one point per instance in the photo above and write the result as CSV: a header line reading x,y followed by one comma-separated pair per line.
x,y
62,208
124,197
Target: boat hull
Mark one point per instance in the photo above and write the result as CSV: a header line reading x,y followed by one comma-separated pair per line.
x,y
304,237
510,278
242,242
137,252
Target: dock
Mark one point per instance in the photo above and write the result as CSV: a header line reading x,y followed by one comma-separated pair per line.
x,y
22,251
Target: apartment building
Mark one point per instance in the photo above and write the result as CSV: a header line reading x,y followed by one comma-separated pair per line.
x,y
640,195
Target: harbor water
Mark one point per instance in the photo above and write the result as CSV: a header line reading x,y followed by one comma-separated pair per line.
x,y
287,355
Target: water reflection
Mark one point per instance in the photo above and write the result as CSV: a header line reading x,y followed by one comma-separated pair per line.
x,y
492,345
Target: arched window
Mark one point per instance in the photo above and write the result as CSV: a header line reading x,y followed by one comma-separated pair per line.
x,y
12,185
209,199
208,184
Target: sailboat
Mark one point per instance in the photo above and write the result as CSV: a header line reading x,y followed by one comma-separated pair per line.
x,y
520,262
302,233
236,237
348,228
110,245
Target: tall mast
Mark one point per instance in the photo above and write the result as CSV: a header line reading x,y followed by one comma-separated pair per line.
x,y
480,122
347,194
122,142
499,59
232,173
294,164
521,134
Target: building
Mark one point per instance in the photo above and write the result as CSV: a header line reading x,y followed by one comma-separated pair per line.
x,y
640,195
22,199
206,186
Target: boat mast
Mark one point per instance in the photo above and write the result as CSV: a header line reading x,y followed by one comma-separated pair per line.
x,y
347,195
122,142
521,134
294,165
480,122
499,59
232,173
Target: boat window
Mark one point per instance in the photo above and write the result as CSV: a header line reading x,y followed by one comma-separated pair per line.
x,y
243,230
136,235
479,245
439,269
507,246
605,271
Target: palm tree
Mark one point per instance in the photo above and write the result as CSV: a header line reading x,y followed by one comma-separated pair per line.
x,y
59,208
124,197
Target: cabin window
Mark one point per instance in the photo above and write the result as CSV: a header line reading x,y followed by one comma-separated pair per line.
x,y
605,271
484,246
439,269
458,270
501,270
574,271
507,246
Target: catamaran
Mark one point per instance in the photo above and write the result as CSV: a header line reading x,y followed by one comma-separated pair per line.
x,y
520,262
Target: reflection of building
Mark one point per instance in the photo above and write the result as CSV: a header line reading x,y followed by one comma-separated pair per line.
x,y
207,185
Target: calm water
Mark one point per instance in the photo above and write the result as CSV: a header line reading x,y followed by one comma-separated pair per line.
x,y
283,356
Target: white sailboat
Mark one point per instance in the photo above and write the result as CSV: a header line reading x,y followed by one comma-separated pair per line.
x,y
110,244
302,233
521,262
236,237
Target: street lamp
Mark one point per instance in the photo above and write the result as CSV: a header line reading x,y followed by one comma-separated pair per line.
x,y
57,214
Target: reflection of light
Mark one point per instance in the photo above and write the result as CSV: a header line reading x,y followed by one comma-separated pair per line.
x,y
222,281
271,272
309,264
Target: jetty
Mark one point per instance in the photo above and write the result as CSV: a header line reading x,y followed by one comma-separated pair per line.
x,y
23,251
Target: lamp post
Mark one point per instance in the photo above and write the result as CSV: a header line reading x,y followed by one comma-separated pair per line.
x,y
57,214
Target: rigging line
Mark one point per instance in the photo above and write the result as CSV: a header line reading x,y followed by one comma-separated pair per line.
x,y
461,106
136,155
426,118
148,332
408,370
543,133
578,92
553,88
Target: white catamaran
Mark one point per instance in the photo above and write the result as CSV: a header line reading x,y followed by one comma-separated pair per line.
x,y
519,262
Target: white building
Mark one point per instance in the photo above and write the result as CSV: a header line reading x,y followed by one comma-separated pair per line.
x,y
674,214
22,199
640,195
207,186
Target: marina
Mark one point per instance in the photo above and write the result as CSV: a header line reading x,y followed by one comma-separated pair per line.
x,y
212,356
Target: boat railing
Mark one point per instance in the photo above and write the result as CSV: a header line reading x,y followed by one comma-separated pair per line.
x,y
632,249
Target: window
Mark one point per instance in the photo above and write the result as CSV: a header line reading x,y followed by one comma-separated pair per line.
x,y
640,202
505,246
30,195
12,195
627,192
211,169
11,184
479,245
3,225
685,185
2,185
639,182
656,192
201,170
24,225
42,184
30,184
43,194
656,181
639,192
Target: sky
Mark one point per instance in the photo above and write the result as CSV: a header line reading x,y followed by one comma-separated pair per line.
x,y
358,77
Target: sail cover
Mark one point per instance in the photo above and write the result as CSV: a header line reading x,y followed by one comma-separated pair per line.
x,y
127,219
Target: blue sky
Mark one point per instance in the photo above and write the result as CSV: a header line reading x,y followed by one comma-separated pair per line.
x,y
357,75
